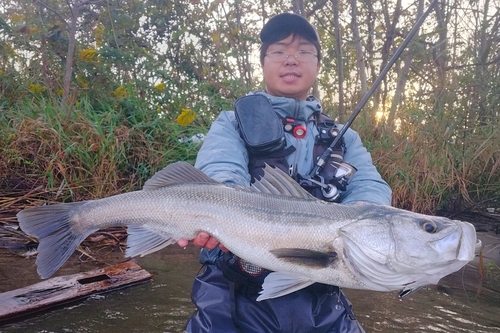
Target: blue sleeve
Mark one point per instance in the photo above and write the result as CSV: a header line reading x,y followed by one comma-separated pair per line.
x,y
366,185
223,155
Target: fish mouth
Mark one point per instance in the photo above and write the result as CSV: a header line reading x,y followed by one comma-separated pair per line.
x,y
388,271
462,249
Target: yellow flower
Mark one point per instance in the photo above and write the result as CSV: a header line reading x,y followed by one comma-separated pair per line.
x,y
1,72
16,18
36,89
82,81
159,87
59,92
120,92
8,50
216,37
33,30
186,117
87,54
99,34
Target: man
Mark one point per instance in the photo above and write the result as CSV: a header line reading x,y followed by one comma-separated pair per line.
x,y
225,292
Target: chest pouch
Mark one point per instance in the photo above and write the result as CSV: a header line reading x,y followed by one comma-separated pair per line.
x,y
260,126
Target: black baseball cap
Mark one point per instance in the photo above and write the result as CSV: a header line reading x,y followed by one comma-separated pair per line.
x,y
286,24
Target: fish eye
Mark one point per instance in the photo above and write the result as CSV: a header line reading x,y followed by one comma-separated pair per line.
x,y
429,226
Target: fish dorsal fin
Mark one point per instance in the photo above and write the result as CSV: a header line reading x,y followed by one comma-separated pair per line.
x,y
277,182
177,173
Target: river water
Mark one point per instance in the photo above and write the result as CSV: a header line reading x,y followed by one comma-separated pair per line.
x,y
458,304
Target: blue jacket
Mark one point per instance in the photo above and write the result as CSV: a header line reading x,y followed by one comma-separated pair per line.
x,y
224,157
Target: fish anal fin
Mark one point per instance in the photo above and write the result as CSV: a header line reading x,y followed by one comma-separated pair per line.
x,y
305,257
278,284
177,173
142,241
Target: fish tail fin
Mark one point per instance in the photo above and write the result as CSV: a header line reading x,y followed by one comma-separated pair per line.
x,y
53,227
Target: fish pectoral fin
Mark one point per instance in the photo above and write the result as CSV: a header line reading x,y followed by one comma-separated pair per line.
x,y
305,257
142,241
278,284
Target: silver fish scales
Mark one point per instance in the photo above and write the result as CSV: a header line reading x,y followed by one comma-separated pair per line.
x,y
274,224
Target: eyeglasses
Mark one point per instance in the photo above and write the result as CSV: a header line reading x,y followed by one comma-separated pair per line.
x,y
282,56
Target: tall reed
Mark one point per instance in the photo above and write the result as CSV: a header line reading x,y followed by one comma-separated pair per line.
x,y
97,152
431,166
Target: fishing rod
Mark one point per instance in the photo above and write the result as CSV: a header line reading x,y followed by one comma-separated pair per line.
x,y
326,154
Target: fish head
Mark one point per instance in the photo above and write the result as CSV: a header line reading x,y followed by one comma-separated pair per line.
x,y
397,249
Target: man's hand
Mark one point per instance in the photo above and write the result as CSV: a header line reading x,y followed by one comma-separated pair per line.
x,y
203,240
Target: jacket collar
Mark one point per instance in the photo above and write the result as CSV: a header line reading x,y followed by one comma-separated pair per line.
x,y
294,108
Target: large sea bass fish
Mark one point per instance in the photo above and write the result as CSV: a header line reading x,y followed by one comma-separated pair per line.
x,y
274,224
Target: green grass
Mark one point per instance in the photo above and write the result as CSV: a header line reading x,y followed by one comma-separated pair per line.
x,y
95,153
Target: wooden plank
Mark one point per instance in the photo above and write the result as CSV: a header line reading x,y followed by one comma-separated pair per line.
x,y
64,289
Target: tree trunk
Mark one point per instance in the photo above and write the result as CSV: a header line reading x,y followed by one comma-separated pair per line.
x,y
439,52
370,50
69,57
298,7
381,95
360,58
340,62
243,58
403,73
484,50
